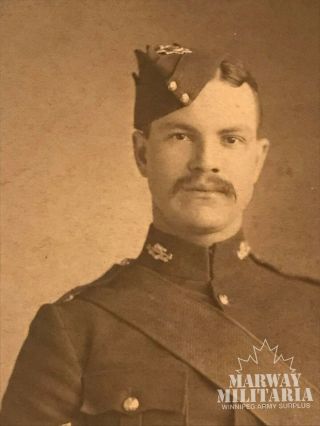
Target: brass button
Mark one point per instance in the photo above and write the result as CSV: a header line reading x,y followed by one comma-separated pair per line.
x,y
185,98
223,299
131,404
172,86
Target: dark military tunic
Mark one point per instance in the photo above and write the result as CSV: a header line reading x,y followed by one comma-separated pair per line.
x,y
88,362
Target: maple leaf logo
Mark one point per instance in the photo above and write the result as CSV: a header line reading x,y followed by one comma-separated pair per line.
x,y
261,356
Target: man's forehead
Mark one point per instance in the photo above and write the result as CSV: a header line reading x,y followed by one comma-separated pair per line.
x,y
221,91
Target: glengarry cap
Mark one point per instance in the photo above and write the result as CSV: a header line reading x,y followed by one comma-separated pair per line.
x,y
170,77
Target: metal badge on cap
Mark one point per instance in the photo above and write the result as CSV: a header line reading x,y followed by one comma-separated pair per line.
x,y
172,49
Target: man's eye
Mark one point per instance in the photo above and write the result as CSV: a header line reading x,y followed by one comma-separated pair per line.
x,y
232,140
180,137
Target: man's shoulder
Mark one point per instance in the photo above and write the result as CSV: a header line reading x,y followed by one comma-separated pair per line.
x,y
280,278
103,281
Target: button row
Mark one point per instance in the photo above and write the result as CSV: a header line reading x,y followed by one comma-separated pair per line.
x,y
184,98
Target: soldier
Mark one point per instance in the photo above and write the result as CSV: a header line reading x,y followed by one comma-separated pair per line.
x,y
156,341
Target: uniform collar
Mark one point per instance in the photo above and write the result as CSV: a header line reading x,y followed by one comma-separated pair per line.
x,y
175,257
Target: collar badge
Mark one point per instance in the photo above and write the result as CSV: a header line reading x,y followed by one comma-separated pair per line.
x,y
172,49
158,252
244,250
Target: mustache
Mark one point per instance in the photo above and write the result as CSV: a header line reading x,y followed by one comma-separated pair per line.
x,y
212,183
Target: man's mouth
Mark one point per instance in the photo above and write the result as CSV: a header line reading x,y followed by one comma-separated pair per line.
x,y
203,188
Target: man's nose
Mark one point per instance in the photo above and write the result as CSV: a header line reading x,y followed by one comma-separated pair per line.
x,y
207,156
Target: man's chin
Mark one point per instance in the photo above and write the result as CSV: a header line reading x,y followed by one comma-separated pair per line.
x,y
205,221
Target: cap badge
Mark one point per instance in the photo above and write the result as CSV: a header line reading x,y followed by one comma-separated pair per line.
x,y
172,49
244,250
158,252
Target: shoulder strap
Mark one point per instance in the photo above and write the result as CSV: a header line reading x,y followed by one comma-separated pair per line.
x,y
103,280
198,333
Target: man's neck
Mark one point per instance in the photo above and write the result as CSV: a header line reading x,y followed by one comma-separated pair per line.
x,y
205,238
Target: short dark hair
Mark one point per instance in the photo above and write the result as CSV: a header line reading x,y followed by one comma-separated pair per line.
x,y
235,74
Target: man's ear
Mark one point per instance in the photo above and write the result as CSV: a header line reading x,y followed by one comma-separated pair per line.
x,y
263,149
140,151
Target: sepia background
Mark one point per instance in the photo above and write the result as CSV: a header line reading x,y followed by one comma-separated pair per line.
x,y
72,200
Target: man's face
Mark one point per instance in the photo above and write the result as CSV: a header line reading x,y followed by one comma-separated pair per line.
x,y
203,160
